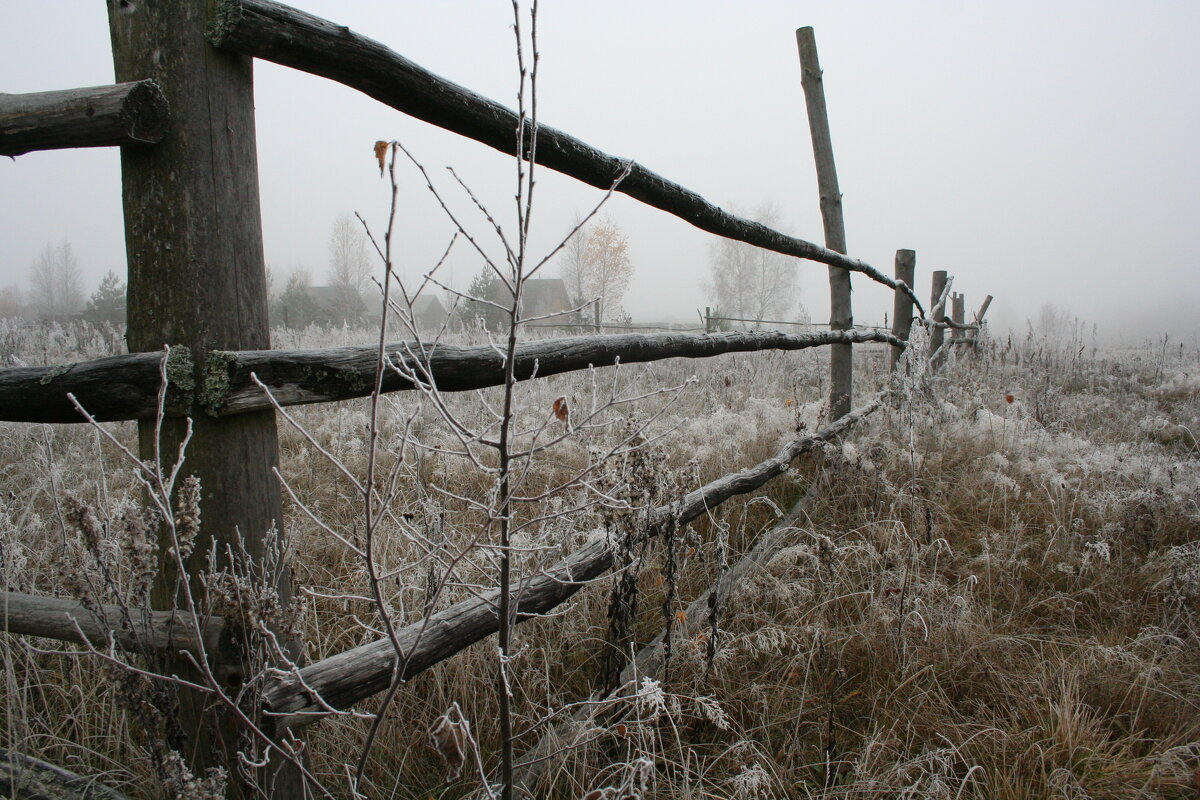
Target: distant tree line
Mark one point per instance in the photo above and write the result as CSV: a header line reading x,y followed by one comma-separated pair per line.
x,y
56,290
753,285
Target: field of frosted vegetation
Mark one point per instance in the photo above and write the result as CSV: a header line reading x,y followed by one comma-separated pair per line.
x,y
992,592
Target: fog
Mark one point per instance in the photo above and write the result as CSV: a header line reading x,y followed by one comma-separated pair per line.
x,y
1040,152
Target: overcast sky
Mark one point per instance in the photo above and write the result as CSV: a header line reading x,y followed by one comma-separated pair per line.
x,y
1039,151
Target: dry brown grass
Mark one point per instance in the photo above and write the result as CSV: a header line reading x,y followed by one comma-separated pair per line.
x,y
988,599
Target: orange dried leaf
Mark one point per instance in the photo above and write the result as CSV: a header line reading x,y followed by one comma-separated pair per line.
x,y
622,730
381,148
560,409
681,617
1008,398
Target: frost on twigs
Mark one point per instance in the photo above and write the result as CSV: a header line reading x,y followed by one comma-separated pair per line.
x,y
634,783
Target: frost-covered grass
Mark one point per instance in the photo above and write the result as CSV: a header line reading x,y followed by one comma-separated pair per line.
x,y
987,599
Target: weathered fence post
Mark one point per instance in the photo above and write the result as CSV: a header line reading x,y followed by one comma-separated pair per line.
x,y
196,280
936,334
902,305
958,314
841,317
987,301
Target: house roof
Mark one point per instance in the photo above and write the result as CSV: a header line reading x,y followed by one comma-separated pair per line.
x,y
545,296
428,304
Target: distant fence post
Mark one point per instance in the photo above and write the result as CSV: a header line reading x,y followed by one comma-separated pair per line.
x,y
708,319
987,301
902,304
959,314
936,335
197,280
841,317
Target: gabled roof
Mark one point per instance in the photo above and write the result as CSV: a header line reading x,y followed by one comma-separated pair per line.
x,y
545,296
427,305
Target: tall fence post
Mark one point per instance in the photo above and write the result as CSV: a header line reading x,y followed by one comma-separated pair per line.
x,y
958,314
936,335
902,305
197,280
841,317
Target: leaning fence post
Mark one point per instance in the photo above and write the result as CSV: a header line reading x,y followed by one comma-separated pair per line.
x,y
958,314
841,318
902,304
196,280
987,301
937,334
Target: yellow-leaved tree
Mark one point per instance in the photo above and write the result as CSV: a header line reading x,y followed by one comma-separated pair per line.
x,y
597,268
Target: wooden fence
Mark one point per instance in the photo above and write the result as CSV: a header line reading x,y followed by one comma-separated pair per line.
x,y
184,118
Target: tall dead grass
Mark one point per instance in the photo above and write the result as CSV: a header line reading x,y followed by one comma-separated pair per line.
x,y
994,596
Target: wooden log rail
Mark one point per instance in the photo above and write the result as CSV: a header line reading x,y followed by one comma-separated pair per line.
x,y
135,631
957,326
99,116
351,676
23,777
127,386
281,34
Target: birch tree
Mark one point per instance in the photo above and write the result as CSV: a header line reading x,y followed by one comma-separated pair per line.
x,y
56,281
749,282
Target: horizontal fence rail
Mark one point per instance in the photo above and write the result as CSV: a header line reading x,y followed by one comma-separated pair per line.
x,y
72,621
348,677
281,34
127,386
25,778
99,116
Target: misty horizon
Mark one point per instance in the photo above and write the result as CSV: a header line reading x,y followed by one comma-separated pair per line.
x,y
1048,176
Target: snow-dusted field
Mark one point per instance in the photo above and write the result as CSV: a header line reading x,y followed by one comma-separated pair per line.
x,y
994,594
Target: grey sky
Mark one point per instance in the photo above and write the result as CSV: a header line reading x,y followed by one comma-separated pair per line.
x,y
1039,151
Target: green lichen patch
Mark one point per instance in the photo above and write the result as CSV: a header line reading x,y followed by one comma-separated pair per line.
x,y
355,381
343,379
181,371
214,392
55,372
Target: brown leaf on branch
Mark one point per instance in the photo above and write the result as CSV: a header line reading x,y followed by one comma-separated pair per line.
x,y
381,148
450,740
561,411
